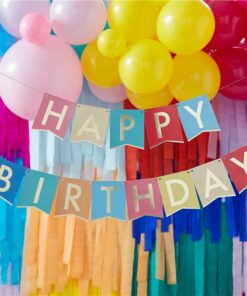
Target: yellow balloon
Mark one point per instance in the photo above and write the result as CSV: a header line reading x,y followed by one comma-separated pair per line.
x,y
146,67
148,101
185,27
135,19
98,69
194,75
111,43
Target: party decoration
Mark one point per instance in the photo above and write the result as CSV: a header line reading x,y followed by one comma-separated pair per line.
x,y
163,125
54,115
35,28
115,94
37,190
236,164
143,198
7,41
74,198
90,124
233,67
211,181
230,23
108,200
148,101
178,23
197,116
98,69
146,67
78,22
111,43
134,19
29,71
11,176
178,192
127,127
194,75
12,12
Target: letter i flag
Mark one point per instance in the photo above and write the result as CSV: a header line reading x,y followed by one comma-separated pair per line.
x,y
54,115
74,198
197,116
11,176
236,164
143,198
178,192
163,125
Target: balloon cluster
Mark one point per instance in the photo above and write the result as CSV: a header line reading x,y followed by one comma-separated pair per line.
x,y
149,51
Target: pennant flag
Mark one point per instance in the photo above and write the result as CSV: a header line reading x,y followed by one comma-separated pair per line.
x,y
197,116
178,192
37,190
108,200
90,125
163,125
211,181
127,128
143,198
54,115
11,176
74,198
236,164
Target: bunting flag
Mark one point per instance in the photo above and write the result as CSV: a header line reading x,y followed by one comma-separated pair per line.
x,y
90,125
163,124
38,190
197,116
211,181
54,115
143,198
11,176
108,200
74,198
127,128
178,192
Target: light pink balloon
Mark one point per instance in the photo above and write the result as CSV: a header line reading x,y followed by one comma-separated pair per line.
x,y
114,94
12,12
29,71
35,28
78,21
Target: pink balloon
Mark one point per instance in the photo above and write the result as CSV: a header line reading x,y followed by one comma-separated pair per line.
x,y
243,3
29,71
35,28
78,21
12,12
114,94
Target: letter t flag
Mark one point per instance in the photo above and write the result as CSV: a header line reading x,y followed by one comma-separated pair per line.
x,y
54,115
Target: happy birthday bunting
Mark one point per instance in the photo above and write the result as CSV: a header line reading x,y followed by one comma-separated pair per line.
x,y
37,190
54,115
163,125
178,192
74,198
211,181
143,198
236,164
108,200
127,128
197,116
90,125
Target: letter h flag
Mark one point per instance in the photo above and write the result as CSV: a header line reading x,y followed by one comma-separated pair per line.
x,y
54,115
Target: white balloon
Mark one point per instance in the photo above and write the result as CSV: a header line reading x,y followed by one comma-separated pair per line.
x,y
12,12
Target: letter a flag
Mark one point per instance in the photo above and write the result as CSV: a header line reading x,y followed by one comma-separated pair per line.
x,y
197,116
143,198
54,115
178,192
236,164
211,181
